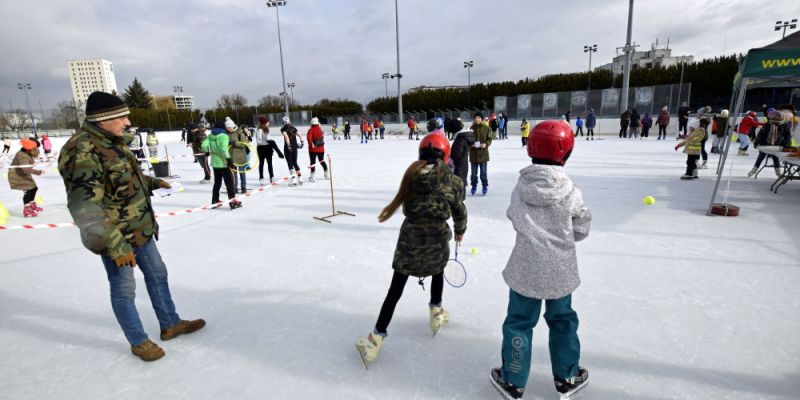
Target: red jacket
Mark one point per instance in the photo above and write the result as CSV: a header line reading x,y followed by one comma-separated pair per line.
x,y
364,125
375,124
315,133
411,123
663,118
748,123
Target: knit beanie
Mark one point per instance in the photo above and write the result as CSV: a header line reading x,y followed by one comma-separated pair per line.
x,y
314,121
229,123
263,120
102,106
28,144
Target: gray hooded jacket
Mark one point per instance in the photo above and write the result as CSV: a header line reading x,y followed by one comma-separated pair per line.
x,y
549,215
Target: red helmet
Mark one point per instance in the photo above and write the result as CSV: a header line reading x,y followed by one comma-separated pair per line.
x,y
752,114
551,140
434,146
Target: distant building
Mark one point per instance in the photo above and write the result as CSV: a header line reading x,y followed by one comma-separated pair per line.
x,y
183,102
654,57
90,75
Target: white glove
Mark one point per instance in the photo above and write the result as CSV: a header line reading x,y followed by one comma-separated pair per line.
x,y
477,145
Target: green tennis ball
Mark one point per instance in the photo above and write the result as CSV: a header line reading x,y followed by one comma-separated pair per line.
x,y
474,250
649,200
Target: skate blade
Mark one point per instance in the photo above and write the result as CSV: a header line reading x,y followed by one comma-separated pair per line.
x,y
500,390
361,354
574,394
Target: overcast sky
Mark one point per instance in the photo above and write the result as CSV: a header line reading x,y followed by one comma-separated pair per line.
x,y
340,48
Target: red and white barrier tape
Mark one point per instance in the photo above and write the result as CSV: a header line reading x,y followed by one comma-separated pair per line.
x,y
158,215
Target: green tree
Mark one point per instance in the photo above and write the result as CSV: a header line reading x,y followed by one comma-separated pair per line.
x,y
136,96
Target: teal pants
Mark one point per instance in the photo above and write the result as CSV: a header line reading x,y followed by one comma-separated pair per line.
x,y
523,314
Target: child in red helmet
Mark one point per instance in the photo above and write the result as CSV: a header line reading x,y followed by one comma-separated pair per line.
x,y
22,178
429,195
549,215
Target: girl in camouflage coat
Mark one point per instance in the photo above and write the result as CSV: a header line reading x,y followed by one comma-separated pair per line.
x,y
430,195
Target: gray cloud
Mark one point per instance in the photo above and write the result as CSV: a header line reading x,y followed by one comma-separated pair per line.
x,y
340,48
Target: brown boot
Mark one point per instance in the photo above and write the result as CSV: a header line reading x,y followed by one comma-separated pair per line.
x,y
148,351
182,327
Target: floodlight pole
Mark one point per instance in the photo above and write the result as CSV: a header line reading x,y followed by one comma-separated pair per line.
x,y
589,49
399,75
785,24
276,4
626,78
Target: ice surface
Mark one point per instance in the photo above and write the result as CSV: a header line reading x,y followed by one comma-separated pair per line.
x,y
674,304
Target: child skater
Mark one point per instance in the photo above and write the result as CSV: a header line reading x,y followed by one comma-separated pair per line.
x,y
693,144
22,178
430,195
549,215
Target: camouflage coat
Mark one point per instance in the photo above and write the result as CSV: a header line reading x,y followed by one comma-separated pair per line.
x,y
107,193
238,146
424,243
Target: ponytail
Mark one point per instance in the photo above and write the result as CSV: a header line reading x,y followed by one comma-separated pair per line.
x,y
405,191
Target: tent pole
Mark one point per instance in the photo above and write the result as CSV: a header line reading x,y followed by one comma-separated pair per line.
x,y
720,169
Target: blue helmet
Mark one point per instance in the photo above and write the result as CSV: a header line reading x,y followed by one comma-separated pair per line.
x,y
435,123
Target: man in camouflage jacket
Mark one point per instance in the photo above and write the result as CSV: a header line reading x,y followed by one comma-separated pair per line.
x,y
108,195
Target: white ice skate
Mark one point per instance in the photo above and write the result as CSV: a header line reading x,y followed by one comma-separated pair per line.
x,y
299,179
439,317
369,347
327,175
311,177
778,172
752,172
293,180
262,182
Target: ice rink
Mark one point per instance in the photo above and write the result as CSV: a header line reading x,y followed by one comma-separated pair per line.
x,y
673,305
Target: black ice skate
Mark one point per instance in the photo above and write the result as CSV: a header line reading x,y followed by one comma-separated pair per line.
x,y
507,390
569,388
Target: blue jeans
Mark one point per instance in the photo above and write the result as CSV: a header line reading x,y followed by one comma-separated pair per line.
x,y
474,175
523,314
123,292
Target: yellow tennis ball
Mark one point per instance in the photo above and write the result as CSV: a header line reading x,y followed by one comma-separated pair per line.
x,y
649,200
474,250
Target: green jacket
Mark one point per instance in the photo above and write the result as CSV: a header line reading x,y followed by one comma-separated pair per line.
x,y
217,144
483,134
238,146
423,246
107,193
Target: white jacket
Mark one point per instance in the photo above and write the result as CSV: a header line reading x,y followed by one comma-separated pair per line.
x,y
262,137
549,215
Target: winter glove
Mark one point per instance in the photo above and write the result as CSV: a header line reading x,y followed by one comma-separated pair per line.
x,y
677,146
302,143
128,260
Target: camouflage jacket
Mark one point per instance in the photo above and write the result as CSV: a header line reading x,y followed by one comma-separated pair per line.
x,y
107,193
423,246
237,140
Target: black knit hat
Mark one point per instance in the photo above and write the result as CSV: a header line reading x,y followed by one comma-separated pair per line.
x,y
102,106
478,114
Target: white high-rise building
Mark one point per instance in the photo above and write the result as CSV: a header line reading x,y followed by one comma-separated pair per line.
x,y
87,76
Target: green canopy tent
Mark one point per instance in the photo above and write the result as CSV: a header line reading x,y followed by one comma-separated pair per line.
x,y
775,65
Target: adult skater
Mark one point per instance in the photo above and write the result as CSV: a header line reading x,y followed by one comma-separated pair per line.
x,y
290,150
316,148
152,143
624,121
429,195
662,121
479,154
265,147
108,196
196,136
459,153
6,145
240,153
635,124
776,132
217,145
544,204
346,129
22,178
591,123
683,119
